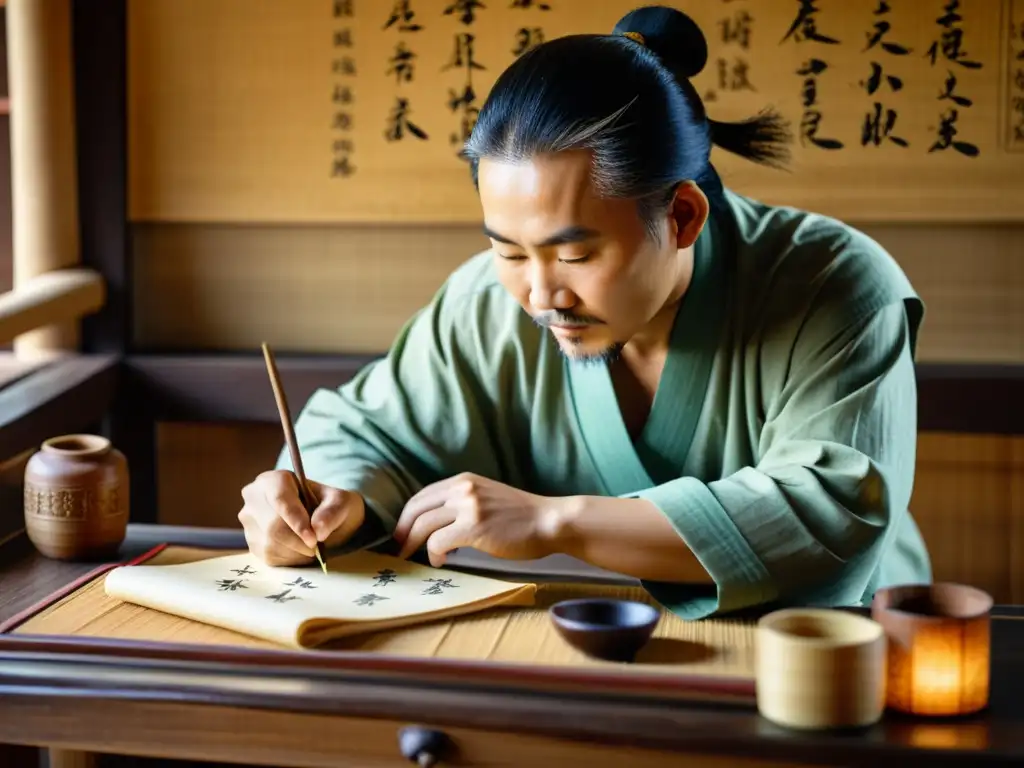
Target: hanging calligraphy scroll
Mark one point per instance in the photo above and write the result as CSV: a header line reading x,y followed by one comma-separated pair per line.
x,y
354,110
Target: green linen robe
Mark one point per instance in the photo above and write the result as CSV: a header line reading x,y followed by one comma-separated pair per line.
x,y
780,444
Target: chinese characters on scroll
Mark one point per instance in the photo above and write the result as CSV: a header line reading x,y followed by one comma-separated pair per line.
x,y
884,78
402,65
405,20
880,121
463,98
894,60
948,52
293,588
1014,139
804,31
732,73
343,71
531,34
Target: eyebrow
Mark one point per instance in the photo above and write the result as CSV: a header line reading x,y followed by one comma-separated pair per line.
x,y
571,234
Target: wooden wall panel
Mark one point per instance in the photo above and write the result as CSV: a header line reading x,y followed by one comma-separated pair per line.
x,y
217,458
972,280
315,289
349,289
967,503
968,498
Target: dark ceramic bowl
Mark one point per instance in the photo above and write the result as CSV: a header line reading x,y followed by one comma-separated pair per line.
x,y
614,630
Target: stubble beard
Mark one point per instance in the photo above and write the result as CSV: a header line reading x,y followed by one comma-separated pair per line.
x,y
577,356
571,347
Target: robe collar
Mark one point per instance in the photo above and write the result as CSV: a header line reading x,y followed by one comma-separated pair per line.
x,y
659,453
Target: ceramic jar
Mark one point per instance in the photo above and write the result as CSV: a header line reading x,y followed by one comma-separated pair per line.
x,y
76,498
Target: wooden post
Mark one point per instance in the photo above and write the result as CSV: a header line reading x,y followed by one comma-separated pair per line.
x,y
44,179
70,758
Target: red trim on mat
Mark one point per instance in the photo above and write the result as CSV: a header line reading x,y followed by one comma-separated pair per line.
x,y
54,597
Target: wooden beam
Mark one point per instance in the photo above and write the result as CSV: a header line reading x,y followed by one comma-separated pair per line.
x,y
44,191
56,298
99,39
978,399
99,30
231,387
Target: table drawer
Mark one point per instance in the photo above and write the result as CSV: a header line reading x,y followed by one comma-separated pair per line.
x,y
301,740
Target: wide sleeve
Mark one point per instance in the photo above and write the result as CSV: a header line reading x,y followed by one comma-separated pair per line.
x,y
810,522
406,420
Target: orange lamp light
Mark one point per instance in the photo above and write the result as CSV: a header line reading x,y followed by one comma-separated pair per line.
x,y
939,647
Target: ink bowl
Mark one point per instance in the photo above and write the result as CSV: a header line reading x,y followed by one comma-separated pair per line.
x,y
603,628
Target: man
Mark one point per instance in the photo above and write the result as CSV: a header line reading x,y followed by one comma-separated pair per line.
x,y
646,371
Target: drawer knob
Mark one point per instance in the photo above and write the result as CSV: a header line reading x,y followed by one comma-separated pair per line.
x,y
423,746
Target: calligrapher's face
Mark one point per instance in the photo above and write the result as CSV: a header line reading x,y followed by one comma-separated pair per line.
x,y
581,265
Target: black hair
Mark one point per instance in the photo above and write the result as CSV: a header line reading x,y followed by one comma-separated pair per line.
x,y
630,102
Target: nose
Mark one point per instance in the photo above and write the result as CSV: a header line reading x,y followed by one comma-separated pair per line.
x,y
546,294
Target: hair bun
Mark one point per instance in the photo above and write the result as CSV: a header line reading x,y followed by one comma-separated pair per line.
x,y
672,35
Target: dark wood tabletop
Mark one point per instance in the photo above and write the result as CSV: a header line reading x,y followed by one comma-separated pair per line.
x,y
159,691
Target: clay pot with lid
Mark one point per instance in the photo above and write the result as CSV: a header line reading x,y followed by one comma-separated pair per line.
x,y
76,498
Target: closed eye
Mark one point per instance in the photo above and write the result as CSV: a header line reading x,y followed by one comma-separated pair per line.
x,y
521,257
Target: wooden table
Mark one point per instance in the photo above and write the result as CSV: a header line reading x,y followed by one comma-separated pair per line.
x,y
214,710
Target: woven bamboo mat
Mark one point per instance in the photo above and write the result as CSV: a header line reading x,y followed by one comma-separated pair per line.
x,y
716,648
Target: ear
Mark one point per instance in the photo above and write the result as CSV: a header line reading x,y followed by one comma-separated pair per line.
x,y
689,211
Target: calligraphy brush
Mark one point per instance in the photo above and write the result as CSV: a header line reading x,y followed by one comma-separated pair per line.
x,y
309,500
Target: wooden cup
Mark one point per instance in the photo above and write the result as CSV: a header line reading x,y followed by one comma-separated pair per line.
x,y
76,498
820,668
939,647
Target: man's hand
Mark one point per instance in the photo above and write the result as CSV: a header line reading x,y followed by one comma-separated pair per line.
x,y
278,529
472,511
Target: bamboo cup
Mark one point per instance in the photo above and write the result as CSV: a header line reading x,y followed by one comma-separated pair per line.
x,y
820,669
